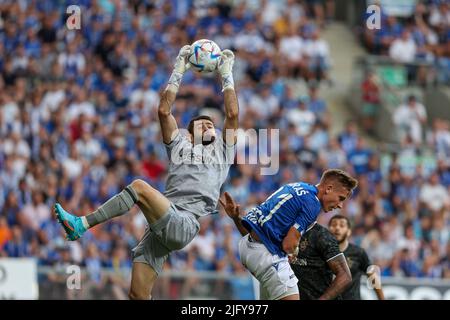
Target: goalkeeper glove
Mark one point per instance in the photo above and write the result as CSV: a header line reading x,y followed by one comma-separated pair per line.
x,y
180,67
226,69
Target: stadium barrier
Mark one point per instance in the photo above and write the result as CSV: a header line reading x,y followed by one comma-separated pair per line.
x,y
409,289
23,279
18,279
72,282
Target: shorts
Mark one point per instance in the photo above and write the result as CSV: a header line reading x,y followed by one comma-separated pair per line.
x,y
275,275
172,232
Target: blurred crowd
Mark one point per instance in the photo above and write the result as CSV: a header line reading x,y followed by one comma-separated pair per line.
x,y
78,122
420,41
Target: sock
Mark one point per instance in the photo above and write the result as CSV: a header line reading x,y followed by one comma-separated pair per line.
x,y
85,223
114,207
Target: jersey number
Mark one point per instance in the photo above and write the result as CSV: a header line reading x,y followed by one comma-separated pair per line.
x,y
284,197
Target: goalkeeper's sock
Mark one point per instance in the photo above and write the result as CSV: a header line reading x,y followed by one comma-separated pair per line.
x,y
174,81
114,207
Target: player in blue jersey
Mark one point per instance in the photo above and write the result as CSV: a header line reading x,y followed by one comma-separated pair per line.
x,y
271,231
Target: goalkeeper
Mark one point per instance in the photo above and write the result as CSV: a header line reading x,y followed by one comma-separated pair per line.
x,y
198,166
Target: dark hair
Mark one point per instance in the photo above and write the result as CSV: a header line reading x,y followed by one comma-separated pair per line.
x,y
340,217
411,97
191,123
342,177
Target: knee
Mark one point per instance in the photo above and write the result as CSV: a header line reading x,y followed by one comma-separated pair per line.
x,y
140,186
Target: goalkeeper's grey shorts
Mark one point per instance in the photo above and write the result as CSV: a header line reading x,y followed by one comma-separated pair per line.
x,y
171,232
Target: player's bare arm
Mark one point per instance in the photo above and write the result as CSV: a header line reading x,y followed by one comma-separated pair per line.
x,y
372,274
342,280
231,123
290,242
233,211
167,121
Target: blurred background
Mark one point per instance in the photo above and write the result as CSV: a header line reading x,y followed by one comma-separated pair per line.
x,y
78,122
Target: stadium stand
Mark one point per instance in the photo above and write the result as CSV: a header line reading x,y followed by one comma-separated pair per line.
x,y
78,122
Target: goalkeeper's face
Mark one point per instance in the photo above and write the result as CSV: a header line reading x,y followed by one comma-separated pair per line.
x,y
204,132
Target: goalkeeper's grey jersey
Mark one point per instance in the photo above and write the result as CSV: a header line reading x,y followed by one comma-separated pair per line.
x,y
196,173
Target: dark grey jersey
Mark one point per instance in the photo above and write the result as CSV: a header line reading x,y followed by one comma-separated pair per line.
x,y
196,173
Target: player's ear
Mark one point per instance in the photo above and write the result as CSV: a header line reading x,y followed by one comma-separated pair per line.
x,y
349,233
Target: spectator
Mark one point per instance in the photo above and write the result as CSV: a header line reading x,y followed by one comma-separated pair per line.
x,y
318,56
265,104
394,269
73,165
292,48
36,212
302,118
433,195
409,119
5,232
359,158
80,105
440,16
17,246
249,40
371,99
439,138
403,49
204,247
318,105
408,265
333,155
349,137
410,243
72,62
390,30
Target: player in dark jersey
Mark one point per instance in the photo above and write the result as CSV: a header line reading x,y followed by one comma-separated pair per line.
x,y
272,230
357,259
318,260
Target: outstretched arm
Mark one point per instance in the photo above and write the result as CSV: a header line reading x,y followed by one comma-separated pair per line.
x,y
231,123
233,211
167,121
342,280
169,126
231,102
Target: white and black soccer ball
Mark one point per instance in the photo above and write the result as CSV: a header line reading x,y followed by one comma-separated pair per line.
x,y
204,55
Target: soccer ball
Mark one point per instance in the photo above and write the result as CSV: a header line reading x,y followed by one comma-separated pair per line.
x,y
204,55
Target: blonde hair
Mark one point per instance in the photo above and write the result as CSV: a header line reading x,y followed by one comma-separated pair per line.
x,y
340,176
